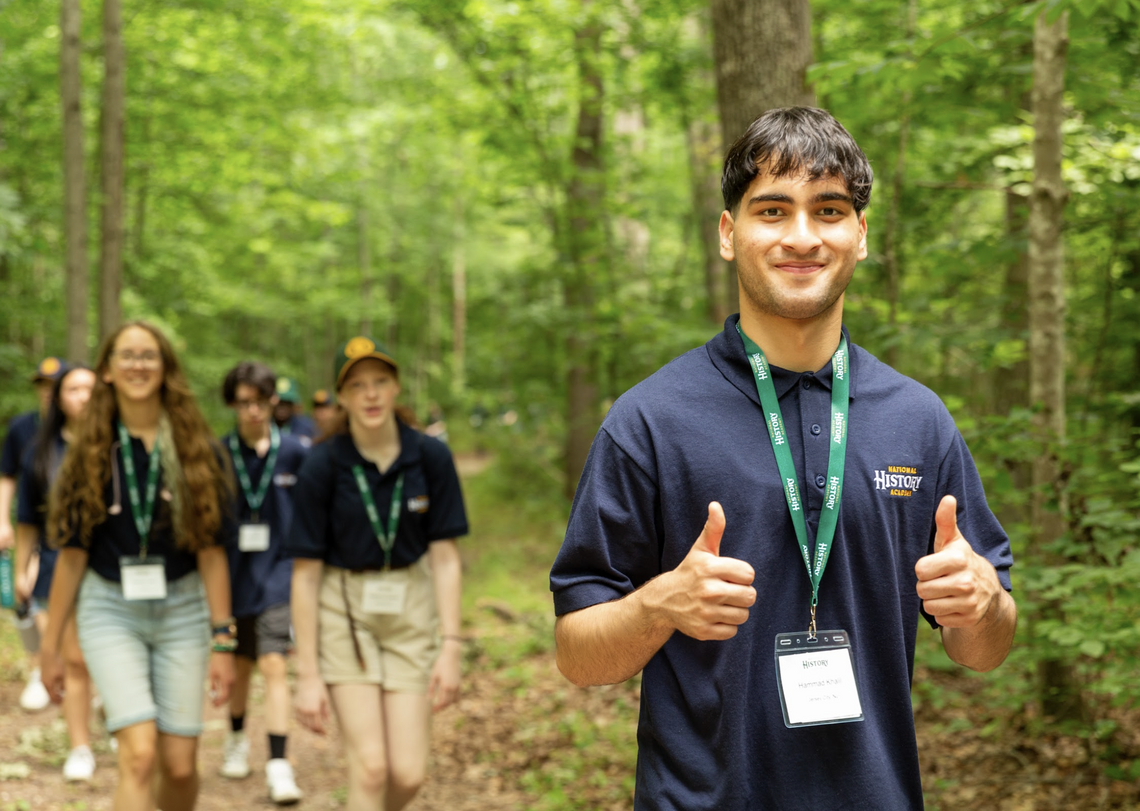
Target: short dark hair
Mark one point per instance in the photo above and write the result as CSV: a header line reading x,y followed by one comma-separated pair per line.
x,y
793,140
251,373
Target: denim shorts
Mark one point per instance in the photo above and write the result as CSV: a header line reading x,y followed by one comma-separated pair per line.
x,y
147,657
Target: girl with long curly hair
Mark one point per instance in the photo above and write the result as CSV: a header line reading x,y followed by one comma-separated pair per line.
x,y
140,509
376,582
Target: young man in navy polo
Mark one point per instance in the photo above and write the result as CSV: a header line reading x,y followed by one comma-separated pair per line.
x,y
761,522
21,431
265,462
287,412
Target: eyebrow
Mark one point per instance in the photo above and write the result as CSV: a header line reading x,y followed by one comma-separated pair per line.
x,y
822,197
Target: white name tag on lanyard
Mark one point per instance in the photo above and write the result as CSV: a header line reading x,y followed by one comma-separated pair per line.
x,y
817,680
253,537
143,578
383,595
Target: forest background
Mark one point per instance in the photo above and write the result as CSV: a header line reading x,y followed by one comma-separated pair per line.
x,y
519,198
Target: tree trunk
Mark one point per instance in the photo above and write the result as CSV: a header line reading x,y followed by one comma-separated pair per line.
x,y
762,49
892,234
458,305
74,186
114,114
585,200
1060,697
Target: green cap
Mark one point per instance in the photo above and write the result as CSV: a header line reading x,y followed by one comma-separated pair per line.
x,y
323,397
287,391
357,349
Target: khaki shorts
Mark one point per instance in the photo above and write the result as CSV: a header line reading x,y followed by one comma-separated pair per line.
x,y
398,649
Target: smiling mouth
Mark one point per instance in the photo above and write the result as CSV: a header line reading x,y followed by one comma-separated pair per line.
x,y
799,268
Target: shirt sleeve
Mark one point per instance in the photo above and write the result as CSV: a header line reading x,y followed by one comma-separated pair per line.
x,y
447,516
958,477
614,538
312,499
10,455
30,499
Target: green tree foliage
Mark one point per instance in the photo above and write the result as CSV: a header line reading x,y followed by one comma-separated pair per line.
x,y
274,149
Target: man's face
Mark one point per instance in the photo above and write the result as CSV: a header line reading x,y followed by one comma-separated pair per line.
x,y
796,243
252,409
282,412
43,393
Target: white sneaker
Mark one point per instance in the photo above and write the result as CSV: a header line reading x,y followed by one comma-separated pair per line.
x,y
235,757
80,764
35,696
279,778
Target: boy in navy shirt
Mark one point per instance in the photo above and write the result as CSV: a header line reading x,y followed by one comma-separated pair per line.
x,y
838,503
265,462
21,431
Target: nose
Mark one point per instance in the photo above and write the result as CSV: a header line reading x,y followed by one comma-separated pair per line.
x,y
801,236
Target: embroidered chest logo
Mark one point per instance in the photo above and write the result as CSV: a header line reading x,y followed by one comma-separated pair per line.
x,y
418,504
898,480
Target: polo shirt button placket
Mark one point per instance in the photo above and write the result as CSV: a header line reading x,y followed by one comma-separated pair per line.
x,y
820,481
816,430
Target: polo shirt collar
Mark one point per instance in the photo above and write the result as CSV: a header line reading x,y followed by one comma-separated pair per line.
x,y
344,450
726,351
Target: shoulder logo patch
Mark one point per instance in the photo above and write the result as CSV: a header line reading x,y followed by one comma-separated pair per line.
x,y
418,504
898,480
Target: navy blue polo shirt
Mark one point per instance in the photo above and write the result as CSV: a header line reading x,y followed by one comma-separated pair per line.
x,y
301,427
31,509
260,580
116,536
21,431
711,733
330,522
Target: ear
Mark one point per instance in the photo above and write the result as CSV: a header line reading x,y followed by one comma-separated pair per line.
x,y
862,235
107,378
727,227
273,401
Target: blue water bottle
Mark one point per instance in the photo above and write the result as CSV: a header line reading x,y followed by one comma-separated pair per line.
x,y
7,581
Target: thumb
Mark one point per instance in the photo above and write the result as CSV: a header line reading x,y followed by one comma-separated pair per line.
x,y
709,539
946,522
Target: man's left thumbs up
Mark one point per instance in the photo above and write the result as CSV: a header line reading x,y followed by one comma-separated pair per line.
x,y
955,584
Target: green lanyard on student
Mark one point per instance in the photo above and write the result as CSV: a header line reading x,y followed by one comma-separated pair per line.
x,y
142,509
387,538
840,387
255,498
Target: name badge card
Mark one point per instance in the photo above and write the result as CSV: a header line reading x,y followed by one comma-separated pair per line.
x,y
253,537
143,578
384,595
816,677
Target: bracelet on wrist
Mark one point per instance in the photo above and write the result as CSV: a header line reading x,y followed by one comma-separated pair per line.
x,y
224,645
455,637
227,626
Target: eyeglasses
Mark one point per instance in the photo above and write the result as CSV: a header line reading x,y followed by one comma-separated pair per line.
x,y
145,360
247,405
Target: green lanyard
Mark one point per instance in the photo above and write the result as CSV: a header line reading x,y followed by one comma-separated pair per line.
x,y
387,538
840,386
142,510
256,498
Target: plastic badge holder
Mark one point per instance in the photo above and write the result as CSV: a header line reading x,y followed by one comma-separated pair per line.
x,y
831,693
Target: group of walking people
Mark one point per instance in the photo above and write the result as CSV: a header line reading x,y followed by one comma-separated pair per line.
x,y
184,562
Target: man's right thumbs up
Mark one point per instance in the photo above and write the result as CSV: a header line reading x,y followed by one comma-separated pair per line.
x,y
709,539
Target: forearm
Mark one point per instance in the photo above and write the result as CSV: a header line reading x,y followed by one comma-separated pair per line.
x,y
7,495
611,642
25,546
984,646
304,601
447,576
70,567
214,569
